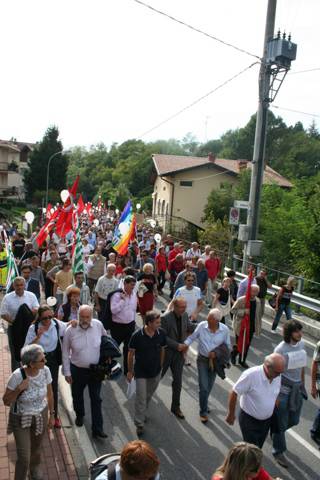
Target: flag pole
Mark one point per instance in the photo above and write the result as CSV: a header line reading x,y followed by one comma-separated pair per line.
x,y
243,344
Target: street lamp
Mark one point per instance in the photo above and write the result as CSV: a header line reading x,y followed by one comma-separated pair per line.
x,y
48,170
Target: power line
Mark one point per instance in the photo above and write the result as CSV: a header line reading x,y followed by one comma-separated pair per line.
x,y
295,111
198,100
305,71
174,19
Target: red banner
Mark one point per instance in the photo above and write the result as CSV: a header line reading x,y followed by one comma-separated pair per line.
x,y
243,339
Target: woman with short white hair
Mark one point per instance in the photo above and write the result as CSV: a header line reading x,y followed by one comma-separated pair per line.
x,y
147,289
29,395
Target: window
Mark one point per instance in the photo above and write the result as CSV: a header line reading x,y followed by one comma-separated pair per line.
x,y
186,183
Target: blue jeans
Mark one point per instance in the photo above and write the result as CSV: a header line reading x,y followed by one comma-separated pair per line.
x,y
315,429
81,377
282,308
206,381
286,419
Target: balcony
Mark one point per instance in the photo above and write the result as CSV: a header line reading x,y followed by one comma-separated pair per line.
x,y
3,166
8,192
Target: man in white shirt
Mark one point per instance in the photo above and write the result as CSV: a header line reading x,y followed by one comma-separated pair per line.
x,y
258,388
106,284
292,391
123,306
80,349
210,334
206,254
10,306
194,251
192,295
243,285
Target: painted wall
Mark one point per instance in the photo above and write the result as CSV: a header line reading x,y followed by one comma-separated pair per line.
x,y
189,201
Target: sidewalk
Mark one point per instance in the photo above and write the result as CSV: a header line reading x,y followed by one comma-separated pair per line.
x,y
57,459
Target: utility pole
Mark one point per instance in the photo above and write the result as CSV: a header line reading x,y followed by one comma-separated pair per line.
x,y
260,134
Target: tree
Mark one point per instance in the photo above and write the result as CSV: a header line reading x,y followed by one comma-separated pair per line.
x,y
218,235
35,176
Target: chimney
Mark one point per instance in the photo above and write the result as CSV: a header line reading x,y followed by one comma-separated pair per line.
x,y
242,165
211,157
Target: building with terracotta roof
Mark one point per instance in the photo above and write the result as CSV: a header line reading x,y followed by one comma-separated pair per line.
x,y
183,183
13,161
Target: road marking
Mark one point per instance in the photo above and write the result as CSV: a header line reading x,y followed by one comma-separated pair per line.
x,y
291,432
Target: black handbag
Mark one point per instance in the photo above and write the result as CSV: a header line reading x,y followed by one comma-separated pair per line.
x,y
272,300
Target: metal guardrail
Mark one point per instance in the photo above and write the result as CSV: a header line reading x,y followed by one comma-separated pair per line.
x,y
298,299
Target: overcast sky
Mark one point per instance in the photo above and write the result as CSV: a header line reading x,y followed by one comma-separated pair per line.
x,y
110,70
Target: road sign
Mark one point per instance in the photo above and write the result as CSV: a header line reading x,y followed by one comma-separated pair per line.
x,y
234,216
241,204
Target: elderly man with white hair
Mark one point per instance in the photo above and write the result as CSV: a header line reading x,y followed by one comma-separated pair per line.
x,y
80,349
211,335
239,310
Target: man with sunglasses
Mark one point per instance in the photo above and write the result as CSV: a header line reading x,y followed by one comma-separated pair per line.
x,y
192,295
258,388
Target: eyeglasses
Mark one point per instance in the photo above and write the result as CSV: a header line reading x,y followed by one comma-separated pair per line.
x,y
48,317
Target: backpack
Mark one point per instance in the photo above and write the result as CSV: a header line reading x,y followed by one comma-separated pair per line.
x,y
101,464
58,350
107,314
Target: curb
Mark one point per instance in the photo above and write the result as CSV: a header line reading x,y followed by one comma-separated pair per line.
x,y
79,441
310,326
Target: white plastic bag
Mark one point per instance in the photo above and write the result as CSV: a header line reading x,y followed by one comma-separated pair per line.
x,y
131,388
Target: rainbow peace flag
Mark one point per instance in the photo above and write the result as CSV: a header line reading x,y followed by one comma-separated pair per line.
x,y
125,230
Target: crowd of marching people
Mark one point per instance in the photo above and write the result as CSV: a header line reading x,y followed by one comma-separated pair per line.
x,y
80,319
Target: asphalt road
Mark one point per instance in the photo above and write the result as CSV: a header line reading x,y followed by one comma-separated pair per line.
x,y
190,450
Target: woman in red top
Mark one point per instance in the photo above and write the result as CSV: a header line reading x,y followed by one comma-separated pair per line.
x,y
147,289
243,462
161,268
119,266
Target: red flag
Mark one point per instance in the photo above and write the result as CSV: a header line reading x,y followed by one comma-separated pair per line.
x,y
64,222
89,211
47,228
73,193
48,211
80,205
243,339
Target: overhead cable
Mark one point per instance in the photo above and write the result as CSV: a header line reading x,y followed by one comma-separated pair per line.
x,y
305,71
174,19
295,111
198,100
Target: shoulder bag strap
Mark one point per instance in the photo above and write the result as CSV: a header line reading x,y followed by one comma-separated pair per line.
x,y
112,471
24,376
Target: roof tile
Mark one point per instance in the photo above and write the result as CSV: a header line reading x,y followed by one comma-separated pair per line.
x,y
168,164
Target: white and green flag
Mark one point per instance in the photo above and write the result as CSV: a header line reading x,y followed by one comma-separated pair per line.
x,y
77,257
11,263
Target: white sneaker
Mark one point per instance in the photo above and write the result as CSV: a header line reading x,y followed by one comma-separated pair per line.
x,y
273,331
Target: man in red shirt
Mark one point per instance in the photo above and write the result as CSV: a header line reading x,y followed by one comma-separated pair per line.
x,y
175,266
161,268
213,265
174,252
